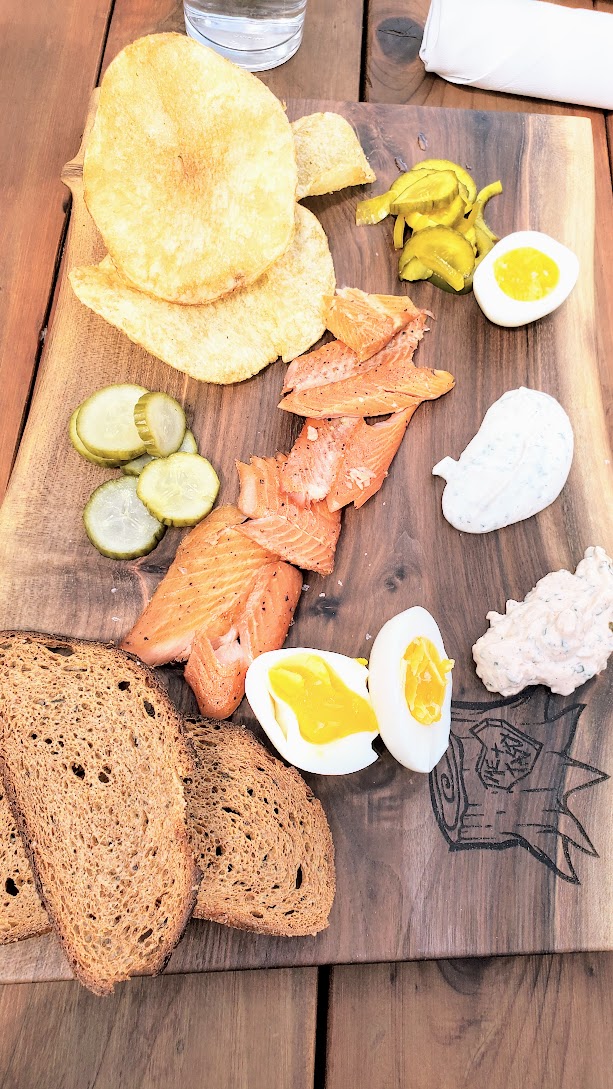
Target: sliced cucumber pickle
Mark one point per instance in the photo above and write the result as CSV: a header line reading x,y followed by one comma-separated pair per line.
x,y
105,423
160,422
180,490
136,466
82,449
118,524
189,444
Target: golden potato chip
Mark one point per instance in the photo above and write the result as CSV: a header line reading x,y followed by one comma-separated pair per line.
x,y
234,337
189,171
329,155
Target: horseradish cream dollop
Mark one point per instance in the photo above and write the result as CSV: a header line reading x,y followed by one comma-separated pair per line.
x,y
515,466
561,635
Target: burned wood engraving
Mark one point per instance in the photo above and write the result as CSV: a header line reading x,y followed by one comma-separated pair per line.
x,y
507,777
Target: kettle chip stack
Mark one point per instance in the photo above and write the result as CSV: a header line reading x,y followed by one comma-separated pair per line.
x,y
191,174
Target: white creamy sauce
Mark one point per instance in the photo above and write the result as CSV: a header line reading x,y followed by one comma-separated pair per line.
x,y
515,466
560,635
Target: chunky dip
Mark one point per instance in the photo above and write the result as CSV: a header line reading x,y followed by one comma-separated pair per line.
x,y
561,635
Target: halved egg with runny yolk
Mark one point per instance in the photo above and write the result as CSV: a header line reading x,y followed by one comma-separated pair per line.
x,y
315,708
524,276
410,688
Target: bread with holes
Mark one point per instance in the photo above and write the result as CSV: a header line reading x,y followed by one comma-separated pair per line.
x,y
93,760
21,912
260,836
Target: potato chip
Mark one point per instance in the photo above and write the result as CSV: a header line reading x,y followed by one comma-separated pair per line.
x,y
230,339
329,155
189,171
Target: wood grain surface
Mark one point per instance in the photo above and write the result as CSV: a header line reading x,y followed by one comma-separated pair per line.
x,y
537,1022
332,35
74,1031
250,1030
49,56
393,830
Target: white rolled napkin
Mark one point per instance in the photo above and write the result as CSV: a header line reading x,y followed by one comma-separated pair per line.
x,y
523,47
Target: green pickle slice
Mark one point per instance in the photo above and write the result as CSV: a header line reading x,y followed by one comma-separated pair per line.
x,y
180,490
189,444
118,524
160,422
105,423
81,449
136,466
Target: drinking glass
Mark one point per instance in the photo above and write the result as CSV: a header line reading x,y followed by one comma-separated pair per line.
x,y
255,34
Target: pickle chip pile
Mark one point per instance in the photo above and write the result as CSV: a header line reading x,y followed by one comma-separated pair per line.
x,y
439,228
165,481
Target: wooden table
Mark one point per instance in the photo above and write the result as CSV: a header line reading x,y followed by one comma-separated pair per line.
x,y
537,1021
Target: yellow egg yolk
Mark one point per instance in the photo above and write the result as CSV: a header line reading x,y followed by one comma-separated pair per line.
x,y
426,680
526,274
325,707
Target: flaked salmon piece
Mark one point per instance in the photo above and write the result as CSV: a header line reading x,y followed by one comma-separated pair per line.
x,y
217,679
368,455
367,322
305,536
310,547
330,363
335,361
205,587
216,668
394,384
259,486
315,458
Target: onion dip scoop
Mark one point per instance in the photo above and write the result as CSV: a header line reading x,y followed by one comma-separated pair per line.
x,y
514,467
561,635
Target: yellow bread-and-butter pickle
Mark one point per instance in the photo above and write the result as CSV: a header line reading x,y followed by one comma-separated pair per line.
x,y
443,250
436,199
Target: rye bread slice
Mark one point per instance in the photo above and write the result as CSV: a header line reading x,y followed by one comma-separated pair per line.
x,y
21,912
260,836
93,760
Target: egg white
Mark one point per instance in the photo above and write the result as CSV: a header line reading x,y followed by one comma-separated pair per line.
x,y
416,746
347,754
508,312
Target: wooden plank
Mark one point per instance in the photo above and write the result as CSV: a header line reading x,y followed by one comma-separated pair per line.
x,y
250,1030
393,831
395,73
532,1021
333,37
50,52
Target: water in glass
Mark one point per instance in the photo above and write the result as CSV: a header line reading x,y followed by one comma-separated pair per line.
x,y
255,34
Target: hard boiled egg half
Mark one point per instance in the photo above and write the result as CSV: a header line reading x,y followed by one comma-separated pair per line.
x,y
525,276
410,689
315,709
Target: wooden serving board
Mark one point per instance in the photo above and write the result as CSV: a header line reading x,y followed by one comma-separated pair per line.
x,y
508,846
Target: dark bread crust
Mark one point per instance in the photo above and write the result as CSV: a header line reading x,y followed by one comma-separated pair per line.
x,y
148,957
260,836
